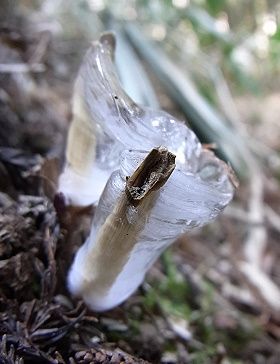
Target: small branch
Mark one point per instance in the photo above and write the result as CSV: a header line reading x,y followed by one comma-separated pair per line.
x,y
272,217
237,213
265,287
117,236
98,264
21,67
41,48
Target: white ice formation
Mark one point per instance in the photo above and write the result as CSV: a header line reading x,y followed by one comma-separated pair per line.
x,y
122,135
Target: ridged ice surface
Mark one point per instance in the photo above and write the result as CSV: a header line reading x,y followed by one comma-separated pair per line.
x,y
200,186
196,192
187,200
122,124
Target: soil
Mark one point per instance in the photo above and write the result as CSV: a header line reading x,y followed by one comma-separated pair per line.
x,y
194,306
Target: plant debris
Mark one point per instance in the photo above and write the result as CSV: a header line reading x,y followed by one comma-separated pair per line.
x,y
194,307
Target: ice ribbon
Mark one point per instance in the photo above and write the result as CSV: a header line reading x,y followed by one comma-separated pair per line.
x,y
114,135
115,123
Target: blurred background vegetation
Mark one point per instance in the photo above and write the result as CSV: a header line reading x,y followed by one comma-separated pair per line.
x,y
227,52
216,65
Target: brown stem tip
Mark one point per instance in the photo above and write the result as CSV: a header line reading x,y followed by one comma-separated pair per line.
x,y
152,174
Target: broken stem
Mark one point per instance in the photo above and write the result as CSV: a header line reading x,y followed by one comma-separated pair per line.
x,y
106,253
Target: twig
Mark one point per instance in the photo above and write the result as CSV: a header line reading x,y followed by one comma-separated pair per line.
x,y
265,286
239,214
41,48
21,68
98,263
255,243
272,217
254,247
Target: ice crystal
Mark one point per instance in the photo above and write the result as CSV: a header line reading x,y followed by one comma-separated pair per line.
x,y
196,192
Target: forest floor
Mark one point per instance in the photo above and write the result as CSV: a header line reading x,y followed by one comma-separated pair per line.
x,y
196,306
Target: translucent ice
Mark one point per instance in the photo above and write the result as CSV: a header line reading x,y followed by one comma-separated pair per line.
x,y
121,120
119,124
106,271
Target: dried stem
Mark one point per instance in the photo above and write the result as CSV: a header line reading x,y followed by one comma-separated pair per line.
x,y
109,250
81,143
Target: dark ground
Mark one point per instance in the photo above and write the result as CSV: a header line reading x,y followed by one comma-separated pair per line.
x,y
195,306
